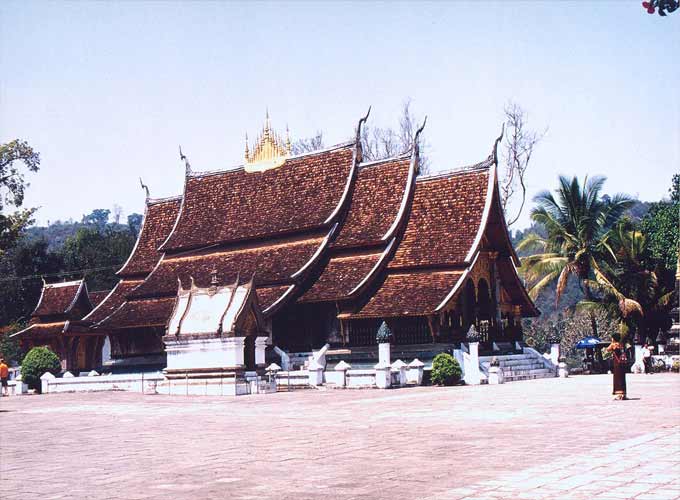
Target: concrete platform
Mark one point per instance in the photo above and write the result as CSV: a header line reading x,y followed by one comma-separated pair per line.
x,y
549,438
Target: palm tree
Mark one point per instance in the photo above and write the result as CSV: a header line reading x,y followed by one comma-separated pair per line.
x,y
628,276
578,223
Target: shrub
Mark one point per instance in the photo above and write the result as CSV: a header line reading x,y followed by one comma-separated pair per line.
x,y
445,370
675,367
38,361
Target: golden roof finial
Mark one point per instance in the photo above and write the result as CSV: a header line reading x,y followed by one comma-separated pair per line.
x,y
269,151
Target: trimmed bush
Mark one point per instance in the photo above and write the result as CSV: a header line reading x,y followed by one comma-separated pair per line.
x,y
38,361
445,370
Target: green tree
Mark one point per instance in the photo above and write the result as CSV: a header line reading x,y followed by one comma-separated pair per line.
x,y
16,157
38,361
631,276
99,217
9,346
661,226
134,222
578,223
21,268
96,255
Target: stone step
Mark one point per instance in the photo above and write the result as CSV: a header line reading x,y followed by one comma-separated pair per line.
x,y
528,377
522,365
515,373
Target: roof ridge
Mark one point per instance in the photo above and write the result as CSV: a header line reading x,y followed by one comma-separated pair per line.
x,y
292,157
153,201
63,283
476,167
403,156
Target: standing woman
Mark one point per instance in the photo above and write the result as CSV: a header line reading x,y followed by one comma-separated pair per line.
x,y
620,366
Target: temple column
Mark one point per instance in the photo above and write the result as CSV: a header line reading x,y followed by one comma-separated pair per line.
x,y
260,346
517,320
496,283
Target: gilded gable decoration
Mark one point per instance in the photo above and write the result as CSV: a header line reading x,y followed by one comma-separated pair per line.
x,y
270,149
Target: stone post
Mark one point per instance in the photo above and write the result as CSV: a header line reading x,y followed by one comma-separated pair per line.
x,y
45,382
383,375
415,371
495,375
315,374
639,365
472,375
260,346
400,367
563,370
384,353
342,367
555,353
67,375
20,387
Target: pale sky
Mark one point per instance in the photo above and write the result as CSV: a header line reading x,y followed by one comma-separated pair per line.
x,y
106,91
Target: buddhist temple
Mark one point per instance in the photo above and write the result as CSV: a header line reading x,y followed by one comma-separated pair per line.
x,y
329,245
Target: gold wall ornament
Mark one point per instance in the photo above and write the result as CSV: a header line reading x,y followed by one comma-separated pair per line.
x,y
269,151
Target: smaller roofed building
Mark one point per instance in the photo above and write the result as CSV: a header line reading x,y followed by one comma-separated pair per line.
x,y
54,323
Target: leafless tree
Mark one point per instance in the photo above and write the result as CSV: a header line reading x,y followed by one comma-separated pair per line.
x,y
117,212
378,143
308,144
518,148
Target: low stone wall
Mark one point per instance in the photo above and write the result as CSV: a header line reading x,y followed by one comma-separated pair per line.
x,y
294,379
135,382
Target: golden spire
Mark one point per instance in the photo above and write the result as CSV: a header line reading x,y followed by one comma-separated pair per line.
x,y
269,151
247,152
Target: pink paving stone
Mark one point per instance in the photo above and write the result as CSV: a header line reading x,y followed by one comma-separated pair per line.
x,y
549,438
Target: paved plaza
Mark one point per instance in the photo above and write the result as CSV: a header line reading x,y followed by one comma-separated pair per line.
x,y
543,439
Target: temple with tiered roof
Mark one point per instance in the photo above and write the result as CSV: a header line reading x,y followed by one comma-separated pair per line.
x,y
331,246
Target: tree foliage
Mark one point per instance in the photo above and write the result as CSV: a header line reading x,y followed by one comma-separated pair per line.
x,y
98,254
36,363
16,157
445,370
572,326
9,346
21,268
661,227
578,225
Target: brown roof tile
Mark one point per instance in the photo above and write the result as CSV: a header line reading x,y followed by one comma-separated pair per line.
x,y
409,294
378,193
267,295
341,276
159,219
236,205
42,330
112,301
270,264
141,313
98,296
445,218
58,298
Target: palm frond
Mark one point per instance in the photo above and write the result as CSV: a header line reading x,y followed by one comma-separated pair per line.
x,y
541,284
530,242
